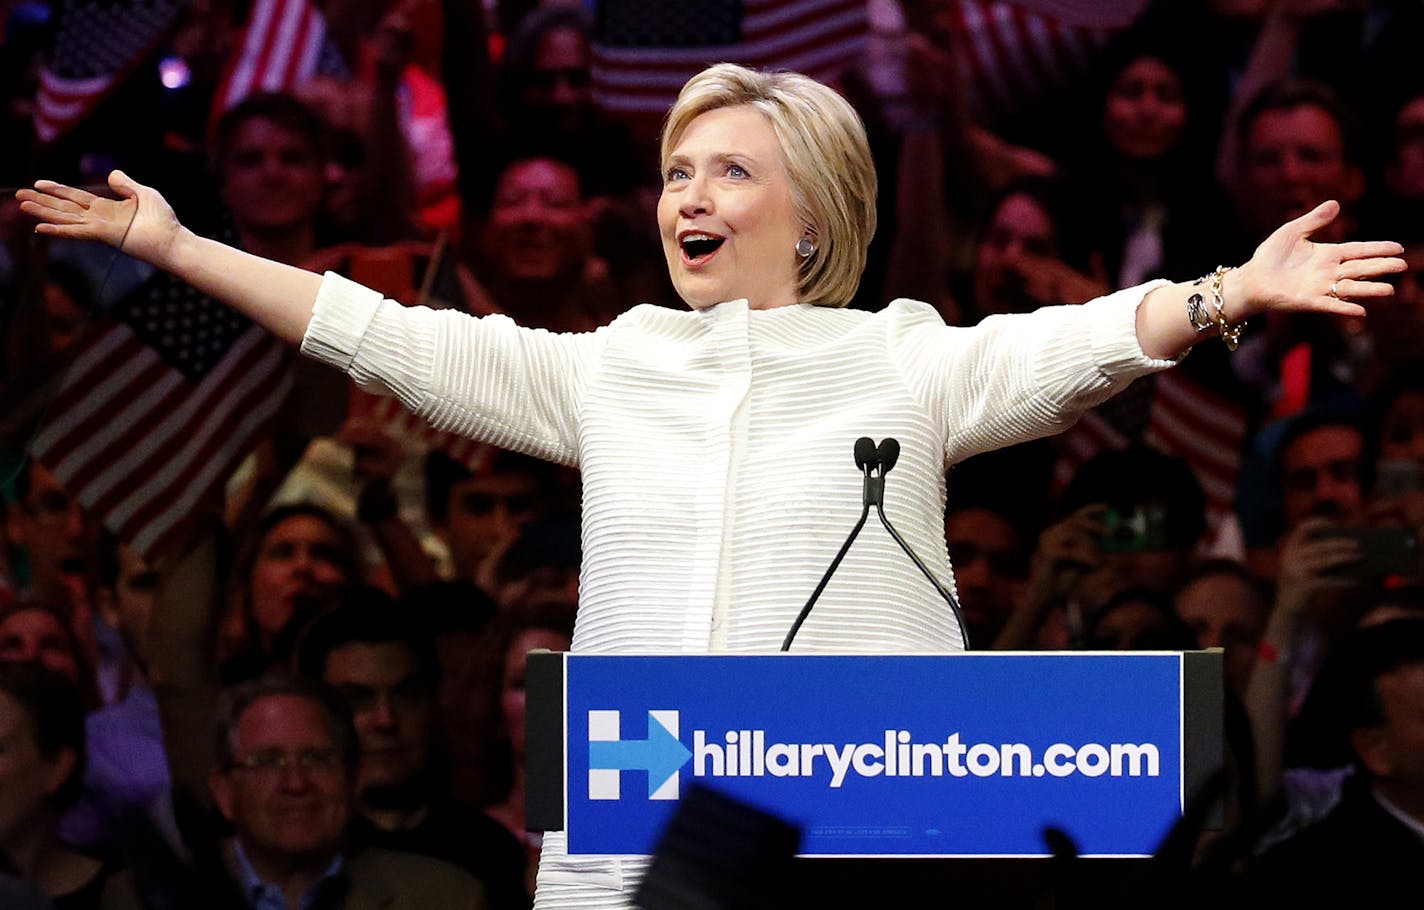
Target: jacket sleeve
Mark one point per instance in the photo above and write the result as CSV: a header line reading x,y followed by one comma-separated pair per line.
x,y
481,377
1013,378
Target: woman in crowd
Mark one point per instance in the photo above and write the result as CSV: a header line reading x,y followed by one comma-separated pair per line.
x,y
300,554
31,631
41,769
511,637
716,445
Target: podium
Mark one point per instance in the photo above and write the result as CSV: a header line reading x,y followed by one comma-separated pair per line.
x,y
964,759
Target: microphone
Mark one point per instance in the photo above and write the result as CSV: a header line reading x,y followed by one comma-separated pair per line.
x,y
865,453
875,462
888,452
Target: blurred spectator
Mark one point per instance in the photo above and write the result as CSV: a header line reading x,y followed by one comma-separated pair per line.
x,y
125,772
1136,620
1394,326
384,662
1226,607
949,169
392,173
1298,148
1154,515
1133,519
990,559
511,638
299,555
1325,584
1404,173
283,779
536,254
1328,478
1141,196
1017,260
35,633
269,157
1401,421
57,538
547,94
479,515
41,764
1368,848
1396,447
1322,469
541,567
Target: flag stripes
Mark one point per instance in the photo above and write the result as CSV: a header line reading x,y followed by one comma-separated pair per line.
x,y
816,37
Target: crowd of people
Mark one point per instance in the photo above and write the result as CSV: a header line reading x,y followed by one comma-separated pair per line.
x,y
317,701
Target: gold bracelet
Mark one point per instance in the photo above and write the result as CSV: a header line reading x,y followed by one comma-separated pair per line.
x,y
1231,333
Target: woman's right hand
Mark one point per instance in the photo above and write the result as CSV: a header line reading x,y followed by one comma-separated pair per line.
x,y
140,222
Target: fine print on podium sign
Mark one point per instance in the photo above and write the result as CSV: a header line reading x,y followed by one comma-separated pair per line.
x,y
954,755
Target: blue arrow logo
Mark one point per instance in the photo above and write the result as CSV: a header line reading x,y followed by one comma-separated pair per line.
x,y
661,754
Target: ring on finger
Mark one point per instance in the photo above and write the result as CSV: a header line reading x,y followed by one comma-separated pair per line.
x,y
1335,289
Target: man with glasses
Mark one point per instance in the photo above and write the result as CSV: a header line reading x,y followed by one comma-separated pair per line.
x,y
284,781
383,662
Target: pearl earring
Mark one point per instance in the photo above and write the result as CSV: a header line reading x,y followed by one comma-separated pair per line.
x,y
804,248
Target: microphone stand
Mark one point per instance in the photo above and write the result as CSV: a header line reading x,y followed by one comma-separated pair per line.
x,y
875,462
874,487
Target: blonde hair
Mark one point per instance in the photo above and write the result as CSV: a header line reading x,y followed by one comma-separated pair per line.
x,y
827,159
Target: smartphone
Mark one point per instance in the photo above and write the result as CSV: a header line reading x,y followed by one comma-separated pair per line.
x,y
1385,552
1141,530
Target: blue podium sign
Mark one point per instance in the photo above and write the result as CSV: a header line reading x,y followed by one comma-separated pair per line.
x,y
956,755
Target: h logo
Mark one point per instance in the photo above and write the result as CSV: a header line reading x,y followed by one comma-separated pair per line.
x,y
609,755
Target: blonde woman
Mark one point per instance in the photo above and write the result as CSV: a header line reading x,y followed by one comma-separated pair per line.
x,y
715,443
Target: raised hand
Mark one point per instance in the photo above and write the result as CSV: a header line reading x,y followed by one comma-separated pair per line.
x,y
1290,272
140,222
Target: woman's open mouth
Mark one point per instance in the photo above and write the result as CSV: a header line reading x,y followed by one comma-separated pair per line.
x,y
698,247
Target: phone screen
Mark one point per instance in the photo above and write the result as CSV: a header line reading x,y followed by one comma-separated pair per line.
x,y
1385,552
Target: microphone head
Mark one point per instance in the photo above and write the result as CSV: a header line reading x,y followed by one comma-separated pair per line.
x,y
864,453
887,454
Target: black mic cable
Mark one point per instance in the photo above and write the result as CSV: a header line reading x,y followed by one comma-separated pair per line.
x,y
865,459
875,462
887,454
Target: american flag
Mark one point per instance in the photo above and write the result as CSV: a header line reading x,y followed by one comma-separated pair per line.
x,y
412,273
283,46
1185,419
644,50
97,44
157,409
1014,54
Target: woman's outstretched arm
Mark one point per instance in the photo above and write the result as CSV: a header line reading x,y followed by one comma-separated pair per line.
x,y
140,223
1287,273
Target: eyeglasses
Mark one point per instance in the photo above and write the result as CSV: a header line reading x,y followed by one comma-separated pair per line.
x,y
275,761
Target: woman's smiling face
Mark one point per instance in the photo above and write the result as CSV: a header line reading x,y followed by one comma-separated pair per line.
x,y
728,226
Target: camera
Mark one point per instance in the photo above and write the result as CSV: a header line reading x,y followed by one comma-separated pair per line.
x,y
1143,529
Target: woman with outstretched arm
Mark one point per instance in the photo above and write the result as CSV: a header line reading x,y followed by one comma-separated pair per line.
x,y
715,443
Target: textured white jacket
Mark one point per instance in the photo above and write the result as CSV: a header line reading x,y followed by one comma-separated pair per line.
x,y
716,452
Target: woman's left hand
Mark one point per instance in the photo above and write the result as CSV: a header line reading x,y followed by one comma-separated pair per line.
x,y
1291,273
